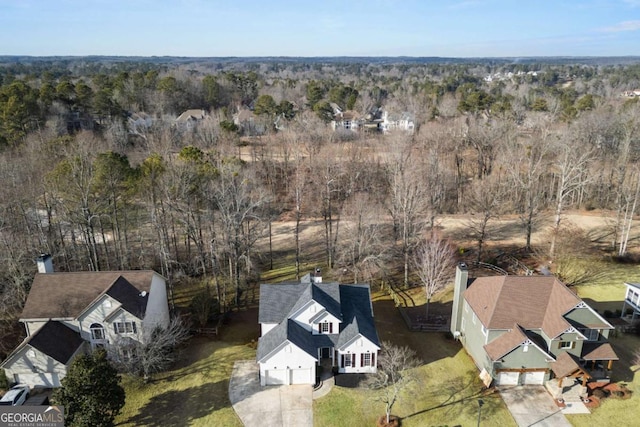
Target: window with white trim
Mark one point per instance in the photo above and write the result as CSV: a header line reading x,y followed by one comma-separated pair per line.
x,y
366,359
566,345
484,331
124,327
324,327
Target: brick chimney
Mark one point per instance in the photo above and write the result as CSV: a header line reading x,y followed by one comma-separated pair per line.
x,y
45,263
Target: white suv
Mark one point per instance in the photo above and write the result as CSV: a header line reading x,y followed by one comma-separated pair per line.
x,y
15,396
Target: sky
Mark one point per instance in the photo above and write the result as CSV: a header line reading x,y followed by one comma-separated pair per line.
x,y
309,28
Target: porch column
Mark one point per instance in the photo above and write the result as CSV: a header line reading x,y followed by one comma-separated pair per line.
x,y
609,365
584,380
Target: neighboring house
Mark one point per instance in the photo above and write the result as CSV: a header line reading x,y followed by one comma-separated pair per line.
x,y
529,329
69,313
402,122
631,93
631,302
347,120
139,122
311,323
191,118
249,123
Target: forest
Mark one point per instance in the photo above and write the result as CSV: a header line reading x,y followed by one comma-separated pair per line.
x,y
97,169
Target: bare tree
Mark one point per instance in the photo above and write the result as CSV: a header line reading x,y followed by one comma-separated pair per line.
x,y
393,375
361,248
154,353
434,262
571,167
485,203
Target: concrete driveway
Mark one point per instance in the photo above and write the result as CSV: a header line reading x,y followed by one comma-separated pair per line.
x,y
281,406
533,406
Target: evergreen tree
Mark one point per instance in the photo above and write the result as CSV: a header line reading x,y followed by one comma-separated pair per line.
x,y
91,392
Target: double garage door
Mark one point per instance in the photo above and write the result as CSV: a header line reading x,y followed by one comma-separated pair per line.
x,y
288,376
521,378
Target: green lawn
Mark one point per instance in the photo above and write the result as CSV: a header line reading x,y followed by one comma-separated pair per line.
x,y
446,391
195,392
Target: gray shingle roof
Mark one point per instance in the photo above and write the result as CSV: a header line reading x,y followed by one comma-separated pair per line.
x,y
286,331
349,303
130,298
357,314
57,341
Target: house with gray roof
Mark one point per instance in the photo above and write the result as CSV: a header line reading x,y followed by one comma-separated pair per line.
x,y
310,323
522,330
67,314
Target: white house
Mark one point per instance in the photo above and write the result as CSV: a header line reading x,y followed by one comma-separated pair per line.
x,y
403,122
69,313
308,323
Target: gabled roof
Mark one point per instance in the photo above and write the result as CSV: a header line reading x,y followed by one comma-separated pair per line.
x,y
194,114
132,300
357,314
598,351
278,302
505,343
534,302
66,295
565,365
55,340
286,331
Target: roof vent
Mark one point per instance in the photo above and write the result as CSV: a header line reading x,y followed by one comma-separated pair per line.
x,y
143,294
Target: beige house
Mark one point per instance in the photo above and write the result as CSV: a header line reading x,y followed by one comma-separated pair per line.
x,y
70,313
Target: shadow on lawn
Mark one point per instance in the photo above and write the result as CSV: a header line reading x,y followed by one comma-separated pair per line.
x,y
183,407
458,402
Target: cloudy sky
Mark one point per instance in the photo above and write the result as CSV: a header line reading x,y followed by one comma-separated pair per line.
x,y
467,28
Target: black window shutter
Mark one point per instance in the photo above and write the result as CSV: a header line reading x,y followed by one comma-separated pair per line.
x,y
373,359
353,360
330,328
342,364
134,327
361,359
115,327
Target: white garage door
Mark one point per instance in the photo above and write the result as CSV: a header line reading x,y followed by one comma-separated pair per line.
x,y
508,378
301,376
38,380
536,378
276,377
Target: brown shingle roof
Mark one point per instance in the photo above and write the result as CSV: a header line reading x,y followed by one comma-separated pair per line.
x,y
598,351
565,365
66,295
505,343
534,302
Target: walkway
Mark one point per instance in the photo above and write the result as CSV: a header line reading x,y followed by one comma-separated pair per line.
x,y
533,406
279,406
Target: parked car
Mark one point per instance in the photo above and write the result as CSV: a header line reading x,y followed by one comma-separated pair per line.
x,y
15,396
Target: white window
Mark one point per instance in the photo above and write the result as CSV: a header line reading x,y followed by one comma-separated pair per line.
x,y
484,331
347,360
97,331
107,304
566,345
525,348
31,354
124,327
466,307
324,327
366,359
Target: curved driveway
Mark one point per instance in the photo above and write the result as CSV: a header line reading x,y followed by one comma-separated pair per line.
x,y
280,406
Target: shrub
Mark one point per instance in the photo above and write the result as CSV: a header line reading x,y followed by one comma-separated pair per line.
x,y
600,393
4,381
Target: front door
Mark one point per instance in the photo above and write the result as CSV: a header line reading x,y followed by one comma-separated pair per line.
x,y
325,352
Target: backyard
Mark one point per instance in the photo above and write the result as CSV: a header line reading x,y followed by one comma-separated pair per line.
x,y
446,391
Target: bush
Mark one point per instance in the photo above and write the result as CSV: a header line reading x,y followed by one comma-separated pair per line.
x,y
600,393
4,381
